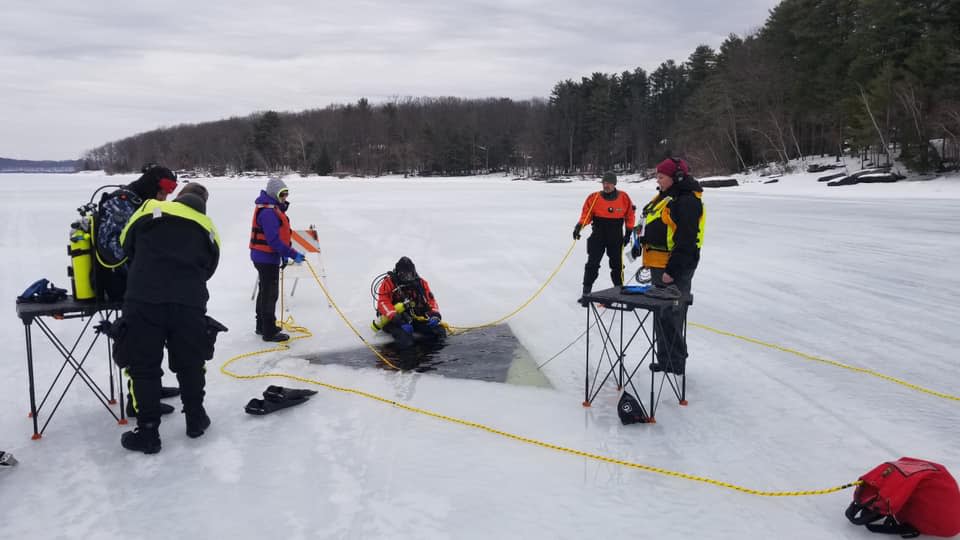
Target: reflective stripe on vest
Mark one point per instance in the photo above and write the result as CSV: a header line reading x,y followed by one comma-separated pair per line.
x,y
159,209
659,226
258,239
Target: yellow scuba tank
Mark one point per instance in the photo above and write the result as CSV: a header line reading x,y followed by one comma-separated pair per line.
x,y
80,250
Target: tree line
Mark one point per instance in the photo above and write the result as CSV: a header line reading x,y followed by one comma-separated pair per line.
x,y
877,78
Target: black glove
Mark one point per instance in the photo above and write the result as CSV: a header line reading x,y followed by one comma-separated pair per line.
x,y
635,252
626,237
576,232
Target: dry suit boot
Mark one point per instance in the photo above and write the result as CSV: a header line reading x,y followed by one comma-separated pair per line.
x,y
144,438
586,291
197,423
277,338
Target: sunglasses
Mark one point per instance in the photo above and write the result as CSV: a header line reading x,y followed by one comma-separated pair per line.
x,y
283,193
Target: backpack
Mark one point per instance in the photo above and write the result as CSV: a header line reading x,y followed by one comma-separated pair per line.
x,y
631,411
911,496
112,214
103,222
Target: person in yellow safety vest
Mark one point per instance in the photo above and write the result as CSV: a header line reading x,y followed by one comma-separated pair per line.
x,y
672,226
174,249
612,214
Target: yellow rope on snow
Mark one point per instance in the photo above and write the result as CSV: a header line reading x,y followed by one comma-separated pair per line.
x,y
345,320
461,329
528,440
834,363
305,333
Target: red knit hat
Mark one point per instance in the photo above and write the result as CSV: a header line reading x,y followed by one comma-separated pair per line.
x,y
669,167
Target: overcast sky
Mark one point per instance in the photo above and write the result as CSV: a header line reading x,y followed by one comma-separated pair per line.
x,y
75,75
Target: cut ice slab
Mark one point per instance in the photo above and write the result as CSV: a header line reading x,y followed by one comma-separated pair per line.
x,y
488,354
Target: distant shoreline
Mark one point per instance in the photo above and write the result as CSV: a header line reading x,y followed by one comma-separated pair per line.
x,y
37,171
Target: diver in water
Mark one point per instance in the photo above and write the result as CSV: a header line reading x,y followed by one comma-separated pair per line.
x,y
406,306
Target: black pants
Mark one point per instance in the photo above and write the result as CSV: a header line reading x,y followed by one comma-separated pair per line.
x,y
182,329
403,340
597,243
268,291
673,347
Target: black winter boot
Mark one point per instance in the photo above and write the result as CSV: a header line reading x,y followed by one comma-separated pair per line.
x,y
278,337
144,438
169,392
586,291
197,423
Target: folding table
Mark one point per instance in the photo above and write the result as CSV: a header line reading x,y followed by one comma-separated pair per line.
x,y
617,337
70,308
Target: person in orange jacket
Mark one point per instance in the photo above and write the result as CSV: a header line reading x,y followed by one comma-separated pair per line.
x,y
612,213
405,302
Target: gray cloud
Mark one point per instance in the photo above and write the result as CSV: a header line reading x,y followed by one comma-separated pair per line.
x,y
75,75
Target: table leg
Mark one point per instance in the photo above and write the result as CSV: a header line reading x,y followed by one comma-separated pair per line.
x,y
123,402
586,371
33,393
683,378
620,355
113,398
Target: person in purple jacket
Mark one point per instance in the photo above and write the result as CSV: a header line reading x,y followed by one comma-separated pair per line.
x,y
269,249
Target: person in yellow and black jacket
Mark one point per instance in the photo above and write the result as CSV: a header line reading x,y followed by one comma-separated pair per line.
x,y
612,213
673,225
173,249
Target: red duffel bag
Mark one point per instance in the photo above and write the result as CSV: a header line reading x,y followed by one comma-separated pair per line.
x,y
911,496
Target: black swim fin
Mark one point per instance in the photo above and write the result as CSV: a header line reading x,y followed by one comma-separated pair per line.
x,y
279,393
261,407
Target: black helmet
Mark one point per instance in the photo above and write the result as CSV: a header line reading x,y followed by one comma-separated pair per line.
x,y
404,270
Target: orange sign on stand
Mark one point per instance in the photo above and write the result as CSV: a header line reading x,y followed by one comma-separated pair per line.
x,y
306,241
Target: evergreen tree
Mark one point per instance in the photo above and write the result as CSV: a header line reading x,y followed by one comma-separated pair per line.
x,y
322,165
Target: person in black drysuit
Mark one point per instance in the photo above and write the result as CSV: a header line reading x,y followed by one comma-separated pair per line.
x,y
113,213
174,249
612,213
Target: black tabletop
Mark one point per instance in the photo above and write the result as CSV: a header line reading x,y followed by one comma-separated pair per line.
x,y
614,297
67,307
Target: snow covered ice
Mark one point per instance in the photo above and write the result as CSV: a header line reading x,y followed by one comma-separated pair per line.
x,y
865,275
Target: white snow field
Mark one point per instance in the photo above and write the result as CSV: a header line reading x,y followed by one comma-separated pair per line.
x,y
867,275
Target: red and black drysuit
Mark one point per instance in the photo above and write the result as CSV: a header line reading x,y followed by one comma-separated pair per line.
x,y
420,306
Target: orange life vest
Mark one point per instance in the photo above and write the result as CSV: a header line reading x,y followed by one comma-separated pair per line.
x,y
258,240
